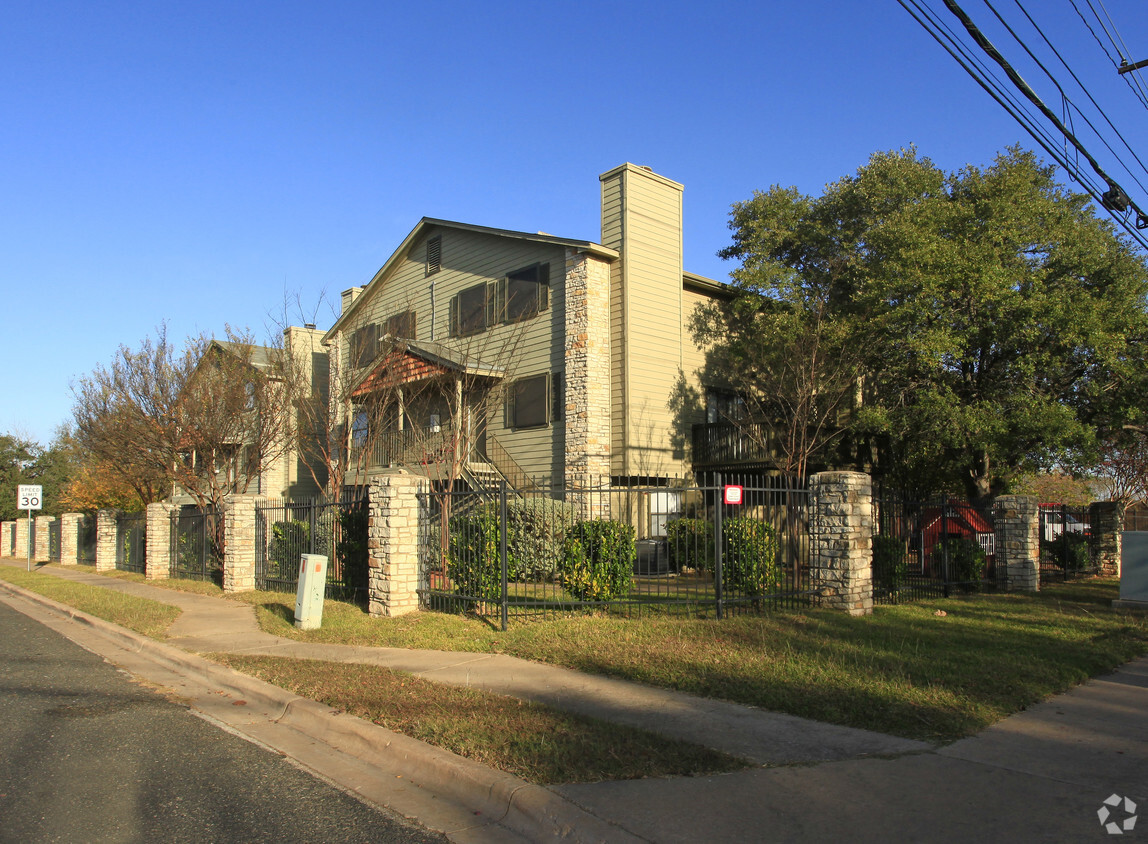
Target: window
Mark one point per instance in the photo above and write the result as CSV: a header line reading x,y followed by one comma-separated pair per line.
x,y
521,295
434,254
663,507
527,292
468,311
724,407
401,325
530,402
364,345
359,429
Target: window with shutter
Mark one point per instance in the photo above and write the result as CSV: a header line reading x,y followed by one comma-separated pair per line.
x,y
434,254
401,325
530,402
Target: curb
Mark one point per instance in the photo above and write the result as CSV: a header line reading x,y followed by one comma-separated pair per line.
x,y
530,810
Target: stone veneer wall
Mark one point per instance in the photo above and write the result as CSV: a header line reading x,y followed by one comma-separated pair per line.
x,y
70,524
394,503
841,540
1017,528
587,375
157,560
239,543
21,537
1106,521
107,532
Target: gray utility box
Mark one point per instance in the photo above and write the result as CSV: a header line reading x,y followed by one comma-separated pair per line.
x,y
1134,565
309,595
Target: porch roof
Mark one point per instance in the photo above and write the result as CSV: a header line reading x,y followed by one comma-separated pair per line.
x,y
410,361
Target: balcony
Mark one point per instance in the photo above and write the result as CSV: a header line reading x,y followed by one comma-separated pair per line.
x,y
724,444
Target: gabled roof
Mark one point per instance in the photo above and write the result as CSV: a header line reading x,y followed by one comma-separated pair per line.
x,y
408,361
427,223
260,357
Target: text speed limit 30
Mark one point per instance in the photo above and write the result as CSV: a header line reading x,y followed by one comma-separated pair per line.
x,y
29,496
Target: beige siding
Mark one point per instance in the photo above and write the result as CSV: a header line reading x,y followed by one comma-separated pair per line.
x,y
529,348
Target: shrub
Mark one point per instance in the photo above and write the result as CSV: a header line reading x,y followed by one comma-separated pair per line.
x,y
598,560
473,559
289,539
535,529
890,562
749,558
353,546
966,559
691,543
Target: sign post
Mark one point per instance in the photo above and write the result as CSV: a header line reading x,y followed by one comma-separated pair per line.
x,y
29,497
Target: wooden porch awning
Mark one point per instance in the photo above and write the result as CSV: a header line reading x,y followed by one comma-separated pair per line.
x,y
407,362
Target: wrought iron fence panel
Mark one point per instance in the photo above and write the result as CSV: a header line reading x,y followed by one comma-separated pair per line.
x,y
336,529
628,550
54,540
1065,543
86,539
131,542
196,539
931,549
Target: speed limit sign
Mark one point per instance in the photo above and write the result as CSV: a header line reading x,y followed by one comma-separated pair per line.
x,y
29,496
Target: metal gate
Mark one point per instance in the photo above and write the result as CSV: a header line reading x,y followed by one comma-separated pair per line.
x,y
931,549
336,529
1065,543
195,541
131,542
86,539
54,540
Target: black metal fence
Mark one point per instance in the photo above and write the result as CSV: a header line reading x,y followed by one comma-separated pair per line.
x,y
54,540
285,531
1065,543
196,540
86,539
131,541
931,549
619,549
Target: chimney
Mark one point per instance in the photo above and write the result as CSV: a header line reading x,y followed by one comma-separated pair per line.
x,y
349,296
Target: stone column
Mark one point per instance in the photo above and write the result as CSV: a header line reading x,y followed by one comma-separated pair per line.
x,y
70,538
43,539
107,534
841,541
395,504
21,549
7,539
586,382
239,543
1106,522
1017,528
157,562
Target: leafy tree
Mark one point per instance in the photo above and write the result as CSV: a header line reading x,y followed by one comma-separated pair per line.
x,y
1000,321
25,461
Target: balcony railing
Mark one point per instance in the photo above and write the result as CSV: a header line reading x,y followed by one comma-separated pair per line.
x,y
725,444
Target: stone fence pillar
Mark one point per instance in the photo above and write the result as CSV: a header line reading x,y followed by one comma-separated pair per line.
x,y
1106,521
43,538
239,543
394,503
7,539
157,560
70,538
1017,529
841,529
107,534
22,538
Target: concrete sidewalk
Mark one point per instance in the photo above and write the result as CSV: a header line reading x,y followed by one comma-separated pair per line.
x,y
1040,775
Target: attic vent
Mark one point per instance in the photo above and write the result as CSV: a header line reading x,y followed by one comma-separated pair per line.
x,y
434,254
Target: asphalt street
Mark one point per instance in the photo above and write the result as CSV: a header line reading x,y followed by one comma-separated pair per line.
x,y
87,754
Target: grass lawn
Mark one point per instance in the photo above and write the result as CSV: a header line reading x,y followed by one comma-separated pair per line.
x,y
151,618
936,670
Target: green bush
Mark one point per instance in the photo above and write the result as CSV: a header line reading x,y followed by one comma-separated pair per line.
x,y
598,560
352,551
289,539
1069,550
966,559
749,556
473,558
691,543
890,562
535,529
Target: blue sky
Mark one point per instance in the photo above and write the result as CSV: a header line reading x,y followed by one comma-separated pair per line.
x,y
200,163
